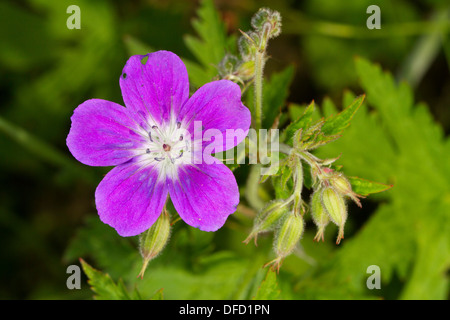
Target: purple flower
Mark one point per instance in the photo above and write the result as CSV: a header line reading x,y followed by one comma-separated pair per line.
x,y
154,146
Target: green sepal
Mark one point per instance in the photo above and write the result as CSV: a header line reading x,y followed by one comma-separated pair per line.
x,y
365,187
335,124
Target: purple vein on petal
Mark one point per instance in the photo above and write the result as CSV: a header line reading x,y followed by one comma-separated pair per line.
x,y
185,193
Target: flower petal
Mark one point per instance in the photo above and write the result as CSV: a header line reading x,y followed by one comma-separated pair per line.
x,y
154,84
204,195
130,198
218,106
103,134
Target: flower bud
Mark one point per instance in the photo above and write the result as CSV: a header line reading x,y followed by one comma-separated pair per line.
x,y
267,219
335,206
288,235
267,19
228,65
246,70
341,184
153,241
319,215
248,44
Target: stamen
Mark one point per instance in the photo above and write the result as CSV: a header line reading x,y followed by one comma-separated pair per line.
x,y
181,154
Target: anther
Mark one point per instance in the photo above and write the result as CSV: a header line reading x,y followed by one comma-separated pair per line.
x,y
147,150
150,136
181,138
178,125
159,158
154,127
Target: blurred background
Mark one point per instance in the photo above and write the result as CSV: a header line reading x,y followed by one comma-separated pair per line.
x,y
47,212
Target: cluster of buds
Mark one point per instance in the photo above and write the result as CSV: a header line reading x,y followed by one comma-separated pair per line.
x,y
328,200
266,25
288,226
331,189
153,241
284,217
234,69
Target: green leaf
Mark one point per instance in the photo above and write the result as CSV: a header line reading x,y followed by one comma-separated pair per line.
x,y
99,241
276,91
282,191
337,123
365,187
286,174
198,75
135,46
210,46
301,123
268,289
400,141
224,270
103,285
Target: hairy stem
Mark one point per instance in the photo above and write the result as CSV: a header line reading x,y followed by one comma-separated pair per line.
x,y
258,82
252,186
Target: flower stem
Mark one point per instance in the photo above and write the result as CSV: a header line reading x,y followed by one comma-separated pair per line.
x,y
251,191
258,81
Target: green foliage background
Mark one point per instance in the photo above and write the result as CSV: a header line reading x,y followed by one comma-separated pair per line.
x,y
325,53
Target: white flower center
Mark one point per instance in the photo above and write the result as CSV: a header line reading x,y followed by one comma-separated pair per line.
x,y
167,143
167,146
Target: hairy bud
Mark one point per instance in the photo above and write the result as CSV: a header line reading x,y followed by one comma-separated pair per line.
x,y
246,70
267,21
267,219
228,65
319,215
153,241
334,205
248,44
288,235
341,184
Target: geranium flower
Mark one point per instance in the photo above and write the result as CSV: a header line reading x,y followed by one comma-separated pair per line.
x,y
153,145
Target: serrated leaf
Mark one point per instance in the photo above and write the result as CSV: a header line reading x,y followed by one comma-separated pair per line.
x,y
210,46
97,240
276,91
103,285
301,123
399,141
319,140
135,46
269,288
365,187
198,75
337,123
